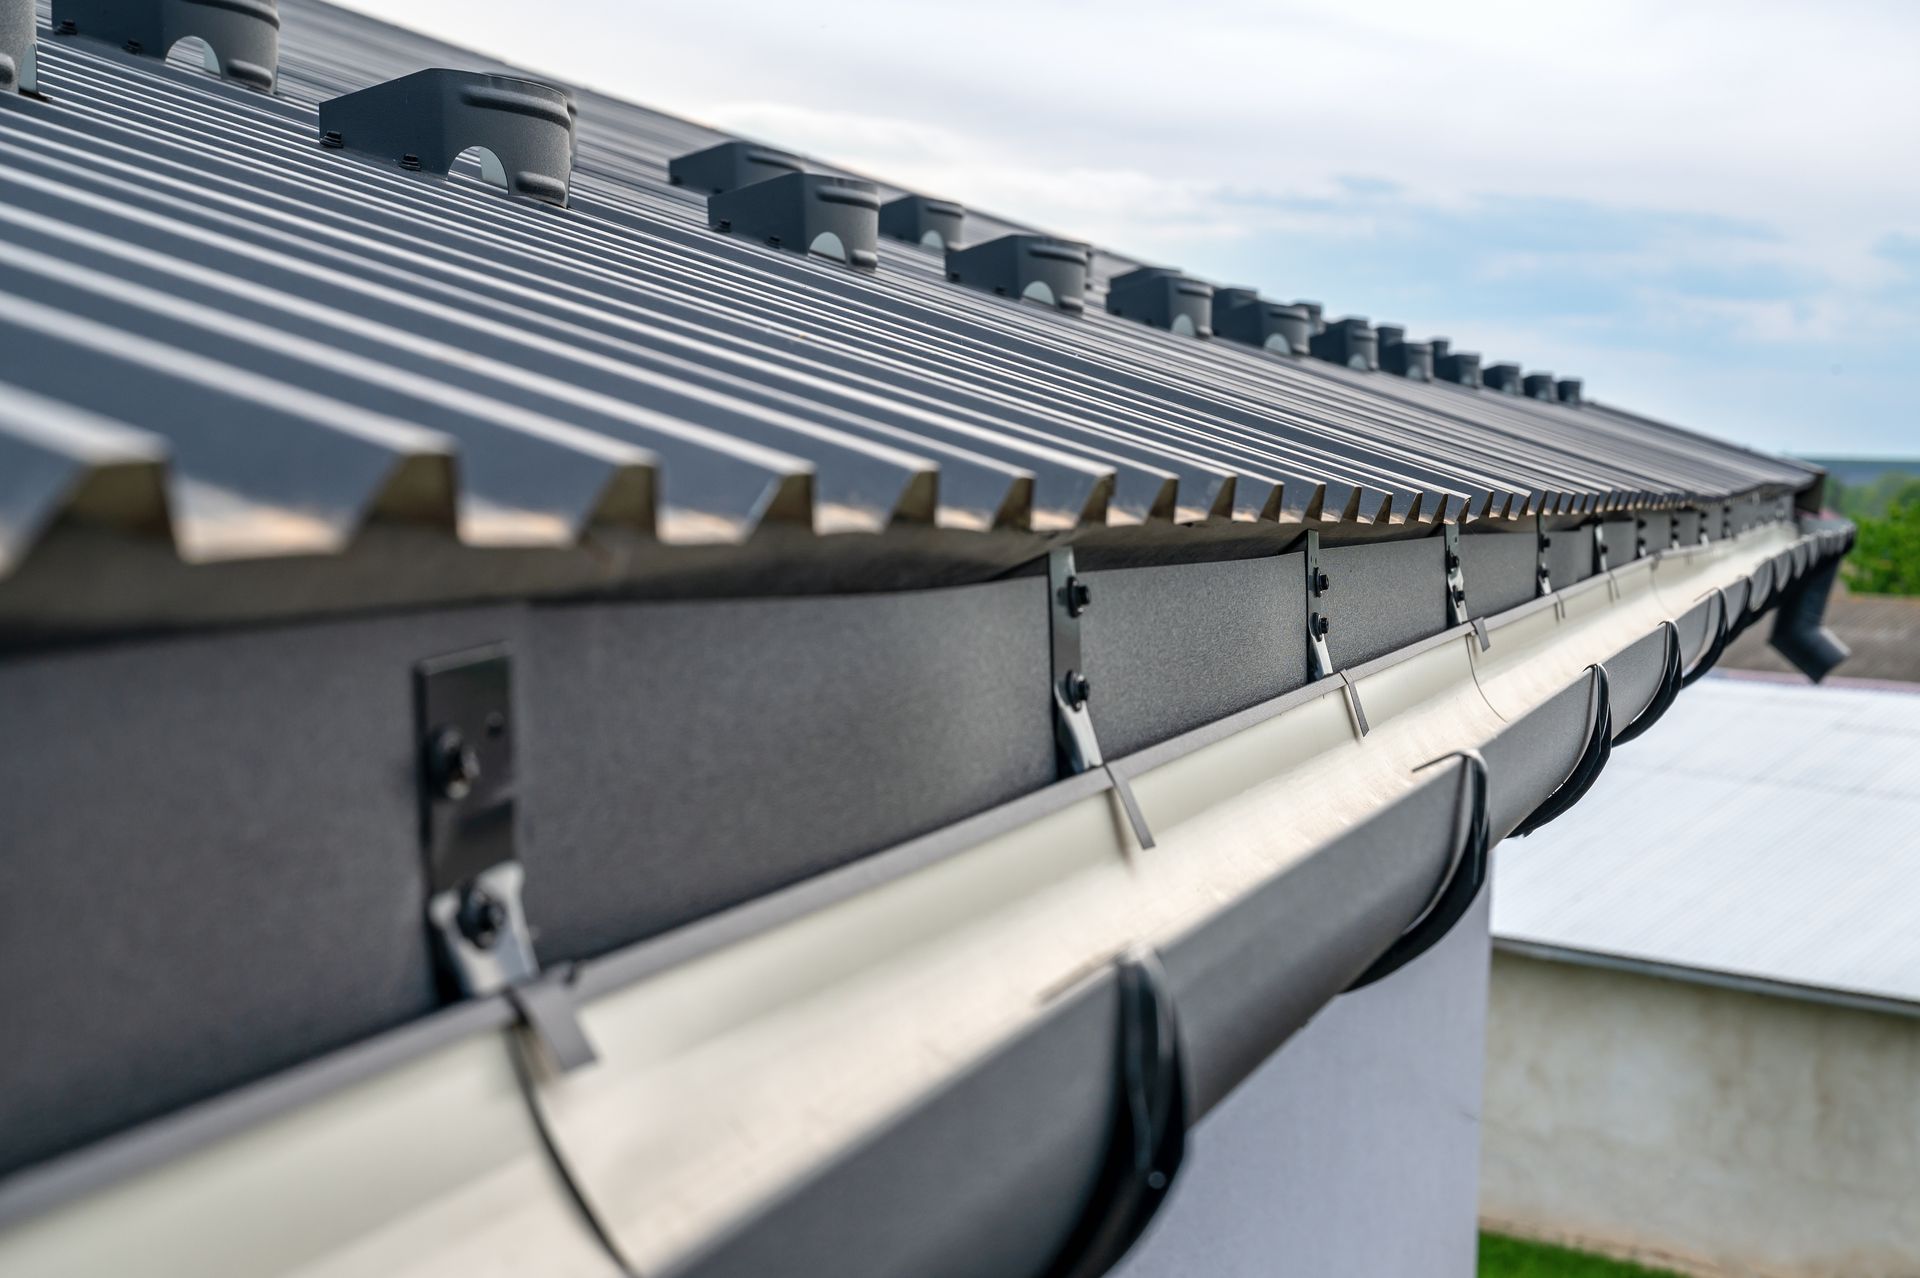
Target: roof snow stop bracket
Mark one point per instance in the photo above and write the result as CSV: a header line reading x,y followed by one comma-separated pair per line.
x,y
1586,769
1465,876
425,120
242,37
1033,268
813,213
1149,1136
17,57
1076,747
463,719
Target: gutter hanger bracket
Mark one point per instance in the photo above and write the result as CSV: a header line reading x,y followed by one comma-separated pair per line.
x,y
1076,747
1318,584
1459,887
1586,769
463,720
1456,577
1149,1125
1543,579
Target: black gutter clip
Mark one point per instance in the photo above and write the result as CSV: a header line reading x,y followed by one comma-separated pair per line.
x,y
1034,268
1149,1126
1663,696
1163,298
425,120
242,37
1586,769
918,219
1722,636
1465,876
464,721
18,59
813,213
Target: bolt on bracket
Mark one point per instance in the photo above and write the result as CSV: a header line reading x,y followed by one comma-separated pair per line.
x,y
1077,748
463,721
1543,578
1318,584
1456,577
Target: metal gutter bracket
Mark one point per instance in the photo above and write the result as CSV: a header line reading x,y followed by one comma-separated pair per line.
x,y
424,121
1076,747
1456,578
1586,769
1149,1125
242,37
18,58
1460,887
813,213
1318,584
1543,578
463,719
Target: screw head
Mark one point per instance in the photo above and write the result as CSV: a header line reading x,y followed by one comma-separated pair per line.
x,y
332,140
453,766
482,918
1077,688
1321,582
1319,626
1453,561
1076,595
410,161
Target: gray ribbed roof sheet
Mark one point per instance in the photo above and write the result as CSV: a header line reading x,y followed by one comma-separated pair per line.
x,y
304,341
1766,830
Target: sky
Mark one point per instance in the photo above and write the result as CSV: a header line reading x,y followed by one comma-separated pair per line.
x,y
1708,211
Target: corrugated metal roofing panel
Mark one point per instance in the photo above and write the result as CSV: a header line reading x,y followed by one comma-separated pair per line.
x,y
1766,830
617,364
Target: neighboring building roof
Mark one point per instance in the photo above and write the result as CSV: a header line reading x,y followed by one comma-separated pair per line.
x,y
1766,831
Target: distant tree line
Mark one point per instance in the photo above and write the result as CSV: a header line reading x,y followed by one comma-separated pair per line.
x,y
1886,556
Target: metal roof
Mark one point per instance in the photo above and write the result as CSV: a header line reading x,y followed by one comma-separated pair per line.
x,y
304,341
1766,831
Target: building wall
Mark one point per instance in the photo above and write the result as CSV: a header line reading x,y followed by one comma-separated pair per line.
x,y
1733,1132
1354,1150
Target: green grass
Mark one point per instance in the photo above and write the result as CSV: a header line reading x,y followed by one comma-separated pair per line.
x,y
1502,1257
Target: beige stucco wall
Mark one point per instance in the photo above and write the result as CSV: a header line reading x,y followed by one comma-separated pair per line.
x,y
1739,1133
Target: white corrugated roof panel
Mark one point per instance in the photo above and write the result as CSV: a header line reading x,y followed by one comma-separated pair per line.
x,y
1768,830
